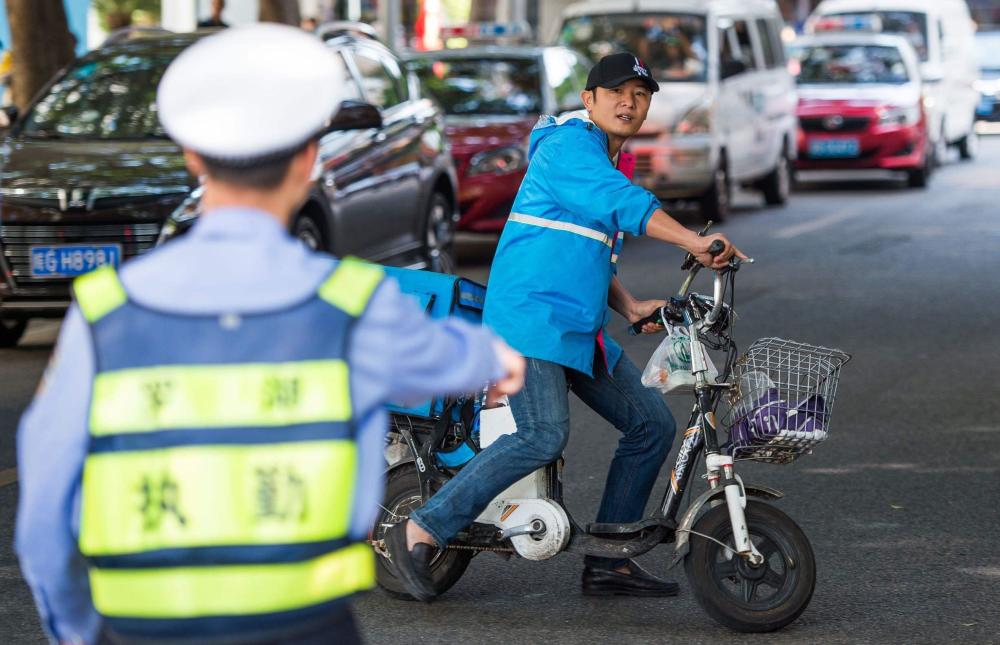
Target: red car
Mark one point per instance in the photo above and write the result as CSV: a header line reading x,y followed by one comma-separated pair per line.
x,y
492,97
861,106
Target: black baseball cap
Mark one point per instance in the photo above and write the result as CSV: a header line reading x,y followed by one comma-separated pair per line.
x,y
615,69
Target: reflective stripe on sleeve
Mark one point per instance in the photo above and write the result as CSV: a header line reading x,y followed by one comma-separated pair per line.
x,y
576,229
233,590
98,293
206,496
219,396
351,285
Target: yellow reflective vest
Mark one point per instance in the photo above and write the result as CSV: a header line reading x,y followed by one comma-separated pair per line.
x,y
219,481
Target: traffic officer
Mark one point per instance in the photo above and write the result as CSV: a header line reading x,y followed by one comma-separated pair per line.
x,y
552,280
202,461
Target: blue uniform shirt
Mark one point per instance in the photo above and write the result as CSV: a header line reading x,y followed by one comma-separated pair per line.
x,y
240,261
548,288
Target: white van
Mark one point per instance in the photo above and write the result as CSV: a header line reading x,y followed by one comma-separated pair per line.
x,y
725,113
942,32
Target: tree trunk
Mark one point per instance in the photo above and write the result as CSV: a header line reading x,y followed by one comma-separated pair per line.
x,y
483,11
41,45
119,20
285,11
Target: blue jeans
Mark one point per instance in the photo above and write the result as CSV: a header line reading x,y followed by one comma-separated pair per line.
x,y
541,411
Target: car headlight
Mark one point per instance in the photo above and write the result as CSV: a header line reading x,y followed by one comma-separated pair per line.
x,y
697,120
501,161
181,219
896,115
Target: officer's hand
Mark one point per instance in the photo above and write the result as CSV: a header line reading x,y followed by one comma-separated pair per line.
x,y
700,250
643,308
513,364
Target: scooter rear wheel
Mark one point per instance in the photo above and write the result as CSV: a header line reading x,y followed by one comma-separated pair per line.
x,y
402,497
738,595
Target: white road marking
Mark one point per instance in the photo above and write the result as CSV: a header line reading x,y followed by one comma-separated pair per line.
x,y
42,332
8,477
819,224
992,572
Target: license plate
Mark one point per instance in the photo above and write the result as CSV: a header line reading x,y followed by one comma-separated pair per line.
x,y
69,260
834,148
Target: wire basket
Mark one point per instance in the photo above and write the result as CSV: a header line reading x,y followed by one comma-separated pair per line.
x,y
782,399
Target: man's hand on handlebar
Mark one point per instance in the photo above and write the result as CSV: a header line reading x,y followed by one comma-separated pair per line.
x,y
699,247
513,380
643,309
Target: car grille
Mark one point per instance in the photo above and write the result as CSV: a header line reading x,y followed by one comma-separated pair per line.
x,y
822,124
643,164
17,240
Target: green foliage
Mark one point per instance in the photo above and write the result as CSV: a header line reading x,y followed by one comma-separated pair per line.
x,y
118,13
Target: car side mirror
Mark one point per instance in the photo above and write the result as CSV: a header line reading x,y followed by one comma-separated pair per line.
x,y
932,73
8,114
355,115
731,68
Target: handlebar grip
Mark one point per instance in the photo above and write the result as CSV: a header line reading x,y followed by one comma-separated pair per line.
x,y
717,247
636,328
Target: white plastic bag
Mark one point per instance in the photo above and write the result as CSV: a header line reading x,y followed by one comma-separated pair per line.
x,y
669,368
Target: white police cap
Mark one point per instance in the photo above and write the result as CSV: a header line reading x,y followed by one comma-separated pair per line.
x,y
250,92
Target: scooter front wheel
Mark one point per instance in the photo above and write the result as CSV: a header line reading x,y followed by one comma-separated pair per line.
x,y
402,497
748,598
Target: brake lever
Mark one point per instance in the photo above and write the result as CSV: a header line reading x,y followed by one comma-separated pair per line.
x,y
689,259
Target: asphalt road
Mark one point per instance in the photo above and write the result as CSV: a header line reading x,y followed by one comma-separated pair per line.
x,y
901,504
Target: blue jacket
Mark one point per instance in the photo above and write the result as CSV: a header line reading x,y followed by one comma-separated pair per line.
x,y
548,288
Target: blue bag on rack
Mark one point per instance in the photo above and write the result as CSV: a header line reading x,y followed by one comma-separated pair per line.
x,y
440,295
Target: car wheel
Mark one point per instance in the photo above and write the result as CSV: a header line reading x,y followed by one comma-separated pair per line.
x,y
918,177
11,332
715,203
940,149
310,233
439,235
969,146
778,184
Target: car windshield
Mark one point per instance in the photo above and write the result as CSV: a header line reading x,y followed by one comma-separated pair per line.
x,y
673,46
988,51
840,64
103,98
482,85
911,24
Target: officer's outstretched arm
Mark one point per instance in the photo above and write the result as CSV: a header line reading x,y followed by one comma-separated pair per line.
x,y
407,357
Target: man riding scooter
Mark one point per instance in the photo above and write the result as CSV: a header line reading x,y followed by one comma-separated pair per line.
x,y
549,289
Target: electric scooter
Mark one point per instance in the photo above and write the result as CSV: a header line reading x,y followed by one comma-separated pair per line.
x,y
749,564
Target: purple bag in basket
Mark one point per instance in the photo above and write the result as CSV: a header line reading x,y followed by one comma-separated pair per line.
x,y
769,415
808,415
765,419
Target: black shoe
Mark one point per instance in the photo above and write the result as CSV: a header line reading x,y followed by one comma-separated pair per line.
x,y
637,582
413,568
